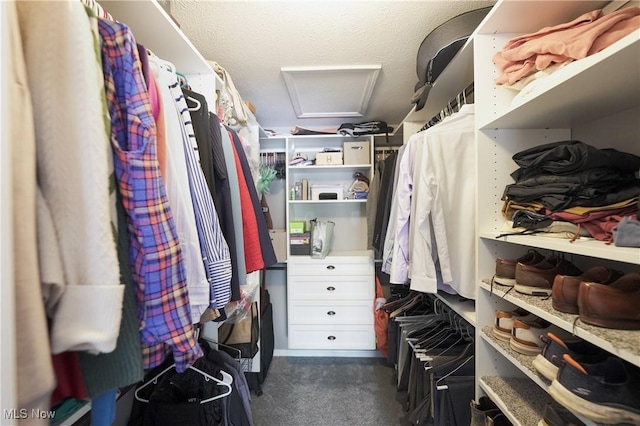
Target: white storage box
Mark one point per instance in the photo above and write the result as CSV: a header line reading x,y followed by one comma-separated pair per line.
x,y
357,152
327,192
328,158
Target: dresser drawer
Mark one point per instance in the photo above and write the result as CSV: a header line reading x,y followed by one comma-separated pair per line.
x,y
330,267
333,288
331,313
331,337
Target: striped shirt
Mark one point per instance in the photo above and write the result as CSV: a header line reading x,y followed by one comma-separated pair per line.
x,y
214,248
155,255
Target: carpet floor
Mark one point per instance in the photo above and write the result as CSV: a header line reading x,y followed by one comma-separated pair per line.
x,y
308,391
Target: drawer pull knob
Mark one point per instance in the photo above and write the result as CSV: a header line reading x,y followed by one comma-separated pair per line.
x,y
331,288
331,313
331,267
331,337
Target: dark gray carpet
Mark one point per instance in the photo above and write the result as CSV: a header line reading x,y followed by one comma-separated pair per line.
x,y
328,391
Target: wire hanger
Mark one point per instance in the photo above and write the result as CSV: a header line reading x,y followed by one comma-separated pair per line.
x,y
226,381
198,105
444,387
448,109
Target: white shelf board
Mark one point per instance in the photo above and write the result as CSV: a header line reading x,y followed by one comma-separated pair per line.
x,y
465,308
332,136
581,92
622,343
338,253
349,201
330,167
155,29
521,401
523,362
512,16
583,246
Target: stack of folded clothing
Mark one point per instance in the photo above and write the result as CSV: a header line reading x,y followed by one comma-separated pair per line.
x,y
570,188
360,186
550,47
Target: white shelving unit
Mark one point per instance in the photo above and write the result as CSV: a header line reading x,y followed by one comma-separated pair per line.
x,y
329,300
349,215
595,100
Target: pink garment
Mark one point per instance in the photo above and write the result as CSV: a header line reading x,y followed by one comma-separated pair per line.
x,y
599,224
615,33
154,100
585,35
602,229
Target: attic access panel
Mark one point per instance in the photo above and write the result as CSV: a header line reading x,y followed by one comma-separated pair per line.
x,y
330,91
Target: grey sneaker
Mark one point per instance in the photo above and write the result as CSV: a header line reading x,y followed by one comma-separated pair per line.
x,y
547,362
605,392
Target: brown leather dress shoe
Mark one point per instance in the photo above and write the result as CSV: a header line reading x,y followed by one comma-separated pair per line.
x,y
565,287
612,306
506,268
537,280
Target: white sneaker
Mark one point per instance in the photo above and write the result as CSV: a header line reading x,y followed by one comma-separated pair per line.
x,y
525,335
504,322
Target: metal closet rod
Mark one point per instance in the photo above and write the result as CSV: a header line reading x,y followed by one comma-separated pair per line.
x,y
452,106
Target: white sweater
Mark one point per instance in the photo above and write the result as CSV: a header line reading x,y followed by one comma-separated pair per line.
x,y
66,85
32,355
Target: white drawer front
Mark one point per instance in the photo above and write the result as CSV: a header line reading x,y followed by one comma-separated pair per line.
x,y
332,337
329,268
331,313
333,288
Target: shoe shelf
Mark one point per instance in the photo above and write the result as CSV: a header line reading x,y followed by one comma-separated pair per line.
x,y
523,362
582,246
622,343
521,400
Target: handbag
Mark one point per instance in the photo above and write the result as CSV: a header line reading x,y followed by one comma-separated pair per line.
x,y
321,238
242,335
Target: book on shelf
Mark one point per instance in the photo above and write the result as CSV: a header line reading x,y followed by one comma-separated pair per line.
x,y
297,190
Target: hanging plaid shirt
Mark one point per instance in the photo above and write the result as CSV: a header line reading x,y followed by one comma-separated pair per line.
x,y
215,251
156,260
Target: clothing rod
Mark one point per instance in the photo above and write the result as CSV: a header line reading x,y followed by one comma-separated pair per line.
x,y
453,103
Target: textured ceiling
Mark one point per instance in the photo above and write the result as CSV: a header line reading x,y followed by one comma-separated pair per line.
x,y
252,40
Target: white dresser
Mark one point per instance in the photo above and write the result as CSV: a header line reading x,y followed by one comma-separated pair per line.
x,y
330,301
